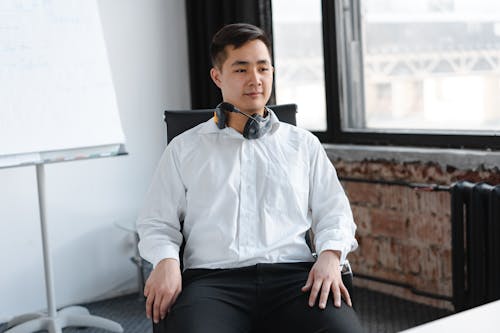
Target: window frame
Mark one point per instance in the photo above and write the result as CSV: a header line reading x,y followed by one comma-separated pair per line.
x,y
336,105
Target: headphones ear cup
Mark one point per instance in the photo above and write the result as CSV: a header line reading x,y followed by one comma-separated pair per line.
x,y
220,117
251,130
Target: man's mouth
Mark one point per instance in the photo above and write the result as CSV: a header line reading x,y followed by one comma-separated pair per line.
x,y
253,94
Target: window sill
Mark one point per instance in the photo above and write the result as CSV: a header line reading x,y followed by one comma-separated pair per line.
x,y
464,159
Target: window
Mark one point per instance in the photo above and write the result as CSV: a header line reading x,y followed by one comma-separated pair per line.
x,y
399,72
298,57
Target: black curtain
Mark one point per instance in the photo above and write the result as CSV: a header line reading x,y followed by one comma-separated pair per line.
x,y
204,18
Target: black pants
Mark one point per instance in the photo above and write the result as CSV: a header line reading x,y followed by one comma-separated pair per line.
x,y
259,298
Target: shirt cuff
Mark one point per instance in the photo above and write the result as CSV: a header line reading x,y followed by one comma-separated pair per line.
x,y
337,246
158,254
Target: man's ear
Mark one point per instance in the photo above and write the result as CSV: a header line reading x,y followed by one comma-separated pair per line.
x,y
215,75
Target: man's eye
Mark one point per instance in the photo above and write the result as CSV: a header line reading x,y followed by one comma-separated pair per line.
x,y
264,69
240,70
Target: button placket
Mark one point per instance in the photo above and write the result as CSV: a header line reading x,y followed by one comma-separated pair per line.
x,y
247,209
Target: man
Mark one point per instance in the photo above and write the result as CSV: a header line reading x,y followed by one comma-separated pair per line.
x,y
248,188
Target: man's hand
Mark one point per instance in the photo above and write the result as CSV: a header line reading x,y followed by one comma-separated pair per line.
x,y
324,277
162,288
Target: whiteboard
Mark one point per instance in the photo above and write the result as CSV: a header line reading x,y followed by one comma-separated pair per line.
x,y
57,100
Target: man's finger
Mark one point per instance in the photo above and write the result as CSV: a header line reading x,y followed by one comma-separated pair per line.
x,y
169,304
336,294
316,287
346,295
149,305
325,292
309,281
156,309
177,293
164,307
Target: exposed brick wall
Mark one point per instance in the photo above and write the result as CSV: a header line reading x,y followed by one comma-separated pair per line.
x,y
404,234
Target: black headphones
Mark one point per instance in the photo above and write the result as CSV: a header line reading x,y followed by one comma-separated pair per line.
x,y
255,127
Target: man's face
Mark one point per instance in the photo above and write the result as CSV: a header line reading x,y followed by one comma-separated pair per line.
x,y
246,76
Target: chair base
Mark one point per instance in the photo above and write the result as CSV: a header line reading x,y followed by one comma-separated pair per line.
x,y
71,316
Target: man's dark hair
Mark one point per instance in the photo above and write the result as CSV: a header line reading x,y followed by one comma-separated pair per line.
x,y
237,35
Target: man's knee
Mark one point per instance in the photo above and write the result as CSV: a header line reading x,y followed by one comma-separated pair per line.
x,y
304,319
343,319
184,320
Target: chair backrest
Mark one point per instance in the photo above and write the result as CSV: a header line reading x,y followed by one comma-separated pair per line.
x,y
178,121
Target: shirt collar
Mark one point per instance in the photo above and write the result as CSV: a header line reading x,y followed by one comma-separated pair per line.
x,y
275,122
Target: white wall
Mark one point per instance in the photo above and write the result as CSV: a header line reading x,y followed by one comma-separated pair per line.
x,y
147,48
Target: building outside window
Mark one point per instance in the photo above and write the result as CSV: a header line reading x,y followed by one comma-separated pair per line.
x,y
403,68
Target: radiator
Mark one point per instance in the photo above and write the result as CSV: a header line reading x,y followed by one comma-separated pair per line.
x,y
475,218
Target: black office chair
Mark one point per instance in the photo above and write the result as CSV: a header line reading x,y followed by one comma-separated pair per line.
x,y
178,121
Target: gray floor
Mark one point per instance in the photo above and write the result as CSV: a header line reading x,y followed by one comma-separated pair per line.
x,y
378,313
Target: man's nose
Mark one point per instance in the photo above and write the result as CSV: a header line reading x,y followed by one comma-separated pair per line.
x,y
255,77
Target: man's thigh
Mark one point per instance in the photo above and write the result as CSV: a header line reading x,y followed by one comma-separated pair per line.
x,y
288,309
213,302
297,316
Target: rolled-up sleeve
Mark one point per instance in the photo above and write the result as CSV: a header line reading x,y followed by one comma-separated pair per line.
x,y
332,220
158,223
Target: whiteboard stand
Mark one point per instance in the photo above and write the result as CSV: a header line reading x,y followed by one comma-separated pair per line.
x,y
54,321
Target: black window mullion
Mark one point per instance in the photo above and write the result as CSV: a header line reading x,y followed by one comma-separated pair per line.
x,y
332,92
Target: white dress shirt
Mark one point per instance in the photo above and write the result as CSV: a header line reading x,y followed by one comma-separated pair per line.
x,y
244,201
